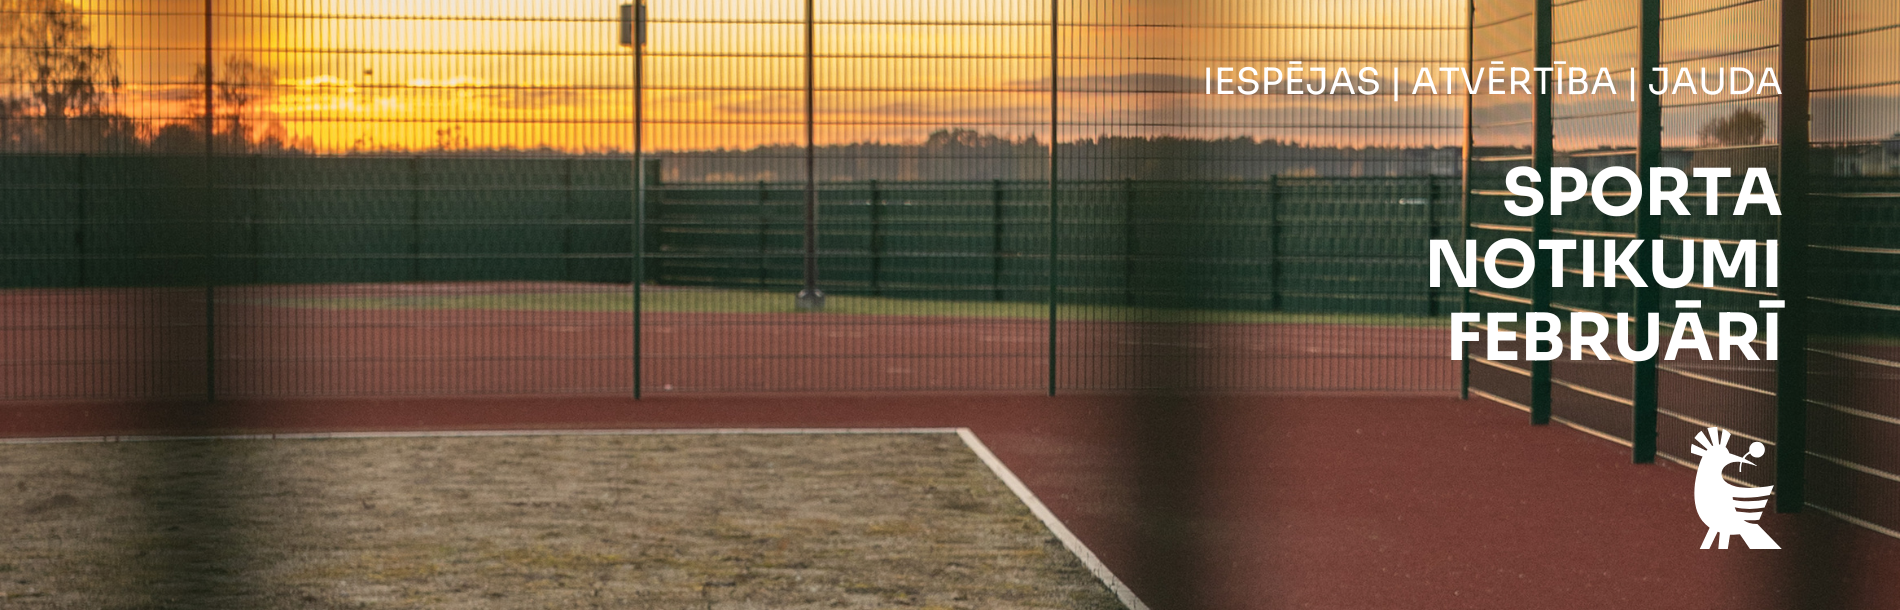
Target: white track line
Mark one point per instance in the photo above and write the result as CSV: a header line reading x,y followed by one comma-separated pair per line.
x,y
996,466
468,433
1049,520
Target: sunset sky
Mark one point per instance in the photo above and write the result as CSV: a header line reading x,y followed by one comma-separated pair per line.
x,y
728,74
394,73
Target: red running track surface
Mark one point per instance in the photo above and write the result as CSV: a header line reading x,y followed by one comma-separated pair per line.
x,y
140,343
1302,502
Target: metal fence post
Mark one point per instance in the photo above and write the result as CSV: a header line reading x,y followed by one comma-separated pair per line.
x,y
1541,159
1274,271
567,221
765,234
876,244
1055,113
996,240
1128,241
1431,233
84,221
653,212
1645,385
640,228
210,220
415,218
639,237
252,230
1464,197
1791,373
810,298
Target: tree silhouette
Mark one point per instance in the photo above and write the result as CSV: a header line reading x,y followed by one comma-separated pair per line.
x,y
50,51
449,139
1739,128
15,131
60,83
239,83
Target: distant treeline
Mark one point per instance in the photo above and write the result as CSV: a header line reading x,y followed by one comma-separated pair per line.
x,y
962,154
948,155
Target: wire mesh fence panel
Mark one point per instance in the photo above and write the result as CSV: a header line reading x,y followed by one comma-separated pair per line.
x,y
421,236
855,152
270,199
1502,137
104,254
1592,130
1853,423
1715,114
239,202
1269,234
1697,392
336,198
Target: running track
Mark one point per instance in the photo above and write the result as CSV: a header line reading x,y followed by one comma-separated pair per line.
x,y
1293,501
1253,501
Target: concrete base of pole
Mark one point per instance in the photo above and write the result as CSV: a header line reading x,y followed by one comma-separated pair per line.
x,y
811,299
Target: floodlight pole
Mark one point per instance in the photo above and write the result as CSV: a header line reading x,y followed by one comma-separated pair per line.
x,y
633,33
210,221
810,298
1055,233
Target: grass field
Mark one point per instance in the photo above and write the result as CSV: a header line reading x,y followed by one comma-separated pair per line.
x,y
698,300
572,521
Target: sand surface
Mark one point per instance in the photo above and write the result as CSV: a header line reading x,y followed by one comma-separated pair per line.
x,y
624,521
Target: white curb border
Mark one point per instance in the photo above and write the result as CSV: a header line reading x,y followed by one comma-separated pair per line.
x,y
1049,520
467,433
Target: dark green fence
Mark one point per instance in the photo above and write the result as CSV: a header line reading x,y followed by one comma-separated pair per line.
x,y
1289,244
69,221
1292,244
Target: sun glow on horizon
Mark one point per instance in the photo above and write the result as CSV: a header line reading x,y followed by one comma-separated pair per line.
x,y
400,74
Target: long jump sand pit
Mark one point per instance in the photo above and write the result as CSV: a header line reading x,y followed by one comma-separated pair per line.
x,y
669,520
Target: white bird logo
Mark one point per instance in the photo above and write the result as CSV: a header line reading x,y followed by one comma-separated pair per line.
x,y
1728,510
